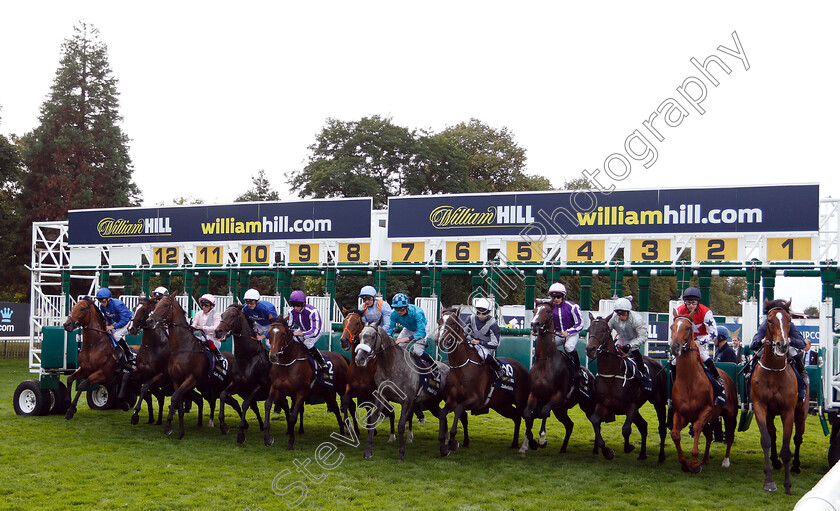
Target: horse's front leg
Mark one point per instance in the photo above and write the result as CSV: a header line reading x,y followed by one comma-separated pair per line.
x,y
293,414
144,392
123,386
761,420
596,419
273,394
642,426
456,416
332,406
405,411
774,455
442,428
676,431
697,430
562,415
71,410
787,431
243,424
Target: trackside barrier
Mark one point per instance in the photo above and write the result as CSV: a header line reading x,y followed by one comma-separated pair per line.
x,y
825,495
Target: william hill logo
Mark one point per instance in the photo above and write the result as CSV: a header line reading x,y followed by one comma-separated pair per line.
x,y
451,217
112,227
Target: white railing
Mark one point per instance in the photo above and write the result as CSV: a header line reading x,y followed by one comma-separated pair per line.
x,y
429,306
324,306
831,378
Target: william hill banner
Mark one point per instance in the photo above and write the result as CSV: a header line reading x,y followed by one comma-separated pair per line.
x,y
701,210
315,219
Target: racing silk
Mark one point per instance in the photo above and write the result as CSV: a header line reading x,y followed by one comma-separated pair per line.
x,y
796,339
262,313
116,313
414,320
487,332
380,308
308,321
567,317
632,332
207,323
703,321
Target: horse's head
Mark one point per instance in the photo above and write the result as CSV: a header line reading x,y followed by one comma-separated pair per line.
x,y
279,338
450,330
165,312
599,336
353,325
233,321
543,321
370,343
682,334
778,328
81,315
141,315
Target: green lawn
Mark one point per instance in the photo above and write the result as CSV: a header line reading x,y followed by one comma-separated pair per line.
x,y
99,461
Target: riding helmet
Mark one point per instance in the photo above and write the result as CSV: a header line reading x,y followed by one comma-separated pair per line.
x,y
557,289
251,294
692,293
297,297
208,298
399,300
160,291
623,305
103,293
482,306
367,291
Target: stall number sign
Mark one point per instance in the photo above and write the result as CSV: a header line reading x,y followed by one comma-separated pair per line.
x,y
414,252
353,252
585,251
788,249
463,251
716,249
650,250
166,256
303,253
255,254
525,251
209,255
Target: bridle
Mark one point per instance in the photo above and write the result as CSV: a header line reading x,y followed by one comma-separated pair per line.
x,y
77,322
546,326
228,330
686,346
462,339
350,335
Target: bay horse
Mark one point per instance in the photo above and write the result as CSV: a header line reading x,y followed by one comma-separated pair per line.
x,y
552,389
617,392
360,380
98,357
188,365
693,400
774,394
397,380
292,375
470,380
152,374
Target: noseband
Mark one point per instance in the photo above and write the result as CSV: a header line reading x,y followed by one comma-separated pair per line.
x,y
546,327
686,346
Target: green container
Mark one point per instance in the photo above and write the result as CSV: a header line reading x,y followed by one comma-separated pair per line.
x,y
54,354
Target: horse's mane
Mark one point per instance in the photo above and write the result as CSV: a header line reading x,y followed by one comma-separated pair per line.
x,y
279,320
358,312
92,303
776,304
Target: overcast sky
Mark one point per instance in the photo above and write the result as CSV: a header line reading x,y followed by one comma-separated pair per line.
x,y
212,92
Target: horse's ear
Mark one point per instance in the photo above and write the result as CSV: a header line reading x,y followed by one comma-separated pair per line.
x,y
674,312
787,304
591,317
608,318
344,310
378,321
766,303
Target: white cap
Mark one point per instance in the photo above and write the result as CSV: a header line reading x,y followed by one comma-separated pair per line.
x,y
251,294
161,291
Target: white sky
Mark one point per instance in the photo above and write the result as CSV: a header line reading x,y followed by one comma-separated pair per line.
x,y
213,92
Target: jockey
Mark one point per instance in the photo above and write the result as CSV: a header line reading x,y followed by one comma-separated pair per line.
x,y
568,321
306,323
117,317
160,291
723,351
260,312
631,334
375,308
205,322
484,334
413,321
797,344
705,328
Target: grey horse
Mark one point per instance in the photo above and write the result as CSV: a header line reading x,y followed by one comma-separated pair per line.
x,y
397,380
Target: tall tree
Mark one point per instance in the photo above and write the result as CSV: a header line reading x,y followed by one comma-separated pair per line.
x,y
78,156
260,191
10,270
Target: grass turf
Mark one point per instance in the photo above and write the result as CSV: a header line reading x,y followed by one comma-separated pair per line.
x,y
99,461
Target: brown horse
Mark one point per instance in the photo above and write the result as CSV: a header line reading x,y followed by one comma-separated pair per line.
x,y
693,398
470,380
552,388
292,375
617,392
188,365
774,394
98,358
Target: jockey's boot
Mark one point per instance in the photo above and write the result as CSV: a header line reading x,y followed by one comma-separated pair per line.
x,y
799,365
573,356
710,365
646,381
494,364
216,352
425,357
129,355
320,363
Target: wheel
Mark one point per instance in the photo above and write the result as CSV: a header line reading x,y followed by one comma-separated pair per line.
x,y
59,400
49,401
28,398
103,398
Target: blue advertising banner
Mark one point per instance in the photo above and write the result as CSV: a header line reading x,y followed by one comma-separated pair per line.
x,y
316,219
14,319
790,208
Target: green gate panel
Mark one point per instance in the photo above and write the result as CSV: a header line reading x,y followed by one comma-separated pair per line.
x,y
816,386
52,348
518,348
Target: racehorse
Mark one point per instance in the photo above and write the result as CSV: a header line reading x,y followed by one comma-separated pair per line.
x,y
360,381
98,357
292,375
692,397
253,381
397,379
470,380
552,388
188,365
617,392
774,393
150,372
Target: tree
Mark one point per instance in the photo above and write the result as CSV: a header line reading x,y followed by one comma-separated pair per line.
x,y
261,190
811,311
10,270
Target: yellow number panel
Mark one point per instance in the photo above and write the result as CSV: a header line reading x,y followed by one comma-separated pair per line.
x,y
166,256
354,252
585,250
789,249
716,249
255,254
210,255
524,251
408,252
650,250
463,251
303,253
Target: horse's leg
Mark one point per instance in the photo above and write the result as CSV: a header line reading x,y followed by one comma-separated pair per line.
x,y
801,413
543,442
642,426
465,420
696,431
627,428
774,455
71,409
676,431
185,387
222,398
787,431
708,433
371,430
405,412
198,400
144,392
453,442
332,406
442,429
596,419
229,399
248,402
296,408
661,415
158,393
563,416
761,419
123,386
300,417
272,395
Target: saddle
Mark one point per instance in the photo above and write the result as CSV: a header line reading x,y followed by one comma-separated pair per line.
x,y
325,376
718,389
429,376
218,369
507,381
124,366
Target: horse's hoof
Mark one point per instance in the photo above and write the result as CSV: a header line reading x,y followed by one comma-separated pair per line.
x,y
422,421
180,436
224,428
70,412
467,444
368,456
401,459
167,430
444,453
629,448
124,405
796,470
269,441
661,458
787,491
608,453
684,467
523,449
290,447
696,469
210,423
240,437
453,445
725,463
135,419
642,457
777,464
533,445
770,486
